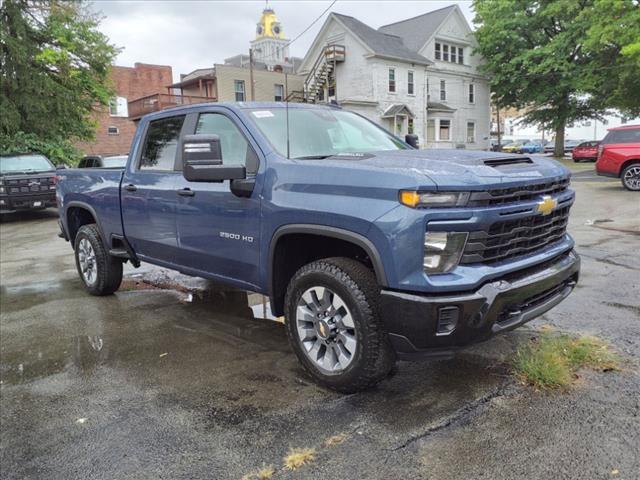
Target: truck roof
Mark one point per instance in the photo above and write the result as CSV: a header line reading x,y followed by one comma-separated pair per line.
x,y
238,106
624,127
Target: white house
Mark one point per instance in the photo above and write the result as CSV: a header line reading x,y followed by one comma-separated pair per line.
x,y
414,76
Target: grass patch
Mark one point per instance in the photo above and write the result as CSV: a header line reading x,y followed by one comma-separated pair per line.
x,y
265,473
335,440
297,457
551,361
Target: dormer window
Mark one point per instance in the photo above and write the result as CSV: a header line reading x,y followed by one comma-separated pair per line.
x,y
449,53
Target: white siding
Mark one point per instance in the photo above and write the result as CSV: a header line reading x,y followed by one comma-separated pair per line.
x,y
455,31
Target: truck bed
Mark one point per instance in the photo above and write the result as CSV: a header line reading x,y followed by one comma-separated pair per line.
x,y
97,189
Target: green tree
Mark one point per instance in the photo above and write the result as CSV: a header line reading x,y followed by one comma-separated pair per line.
x,y
561,60
55,66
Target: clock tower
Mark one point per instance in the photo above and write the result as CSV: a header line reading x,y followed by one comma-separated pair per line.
x,y
270,45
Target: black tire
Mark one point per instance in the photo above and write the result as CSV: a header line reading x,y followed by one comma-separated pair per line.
x,y
108,269
356,285
626,182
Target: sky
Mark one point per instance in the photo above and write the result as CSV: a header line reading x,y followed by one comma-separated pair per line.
x,y
194,34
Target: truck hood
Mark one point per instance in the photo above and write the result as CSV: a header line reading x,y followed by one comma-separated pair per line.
x,y
454,169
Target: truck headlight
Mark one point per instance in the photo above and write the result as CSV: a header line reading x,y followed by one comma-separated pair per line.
x,y
2,190
442,251
415,199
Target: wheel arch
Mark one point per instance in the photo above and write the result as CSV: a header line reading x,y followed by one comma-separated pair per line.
x,y
78,214
626,164
356,243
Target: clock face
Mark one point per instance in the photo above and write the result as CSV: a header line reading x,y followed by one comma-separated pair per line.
x,y
259,29
276,29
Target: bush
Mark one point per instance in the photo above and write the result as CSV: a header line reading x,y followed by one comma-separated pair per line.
x,y
58,151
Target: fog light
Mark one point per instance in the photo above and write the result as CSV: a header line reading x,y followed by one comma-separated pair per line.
x,y
447,320
442,251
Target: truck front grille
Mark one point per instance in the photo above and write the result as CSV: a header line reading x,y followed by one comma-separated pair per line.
x,y
517,194
29,185
510,238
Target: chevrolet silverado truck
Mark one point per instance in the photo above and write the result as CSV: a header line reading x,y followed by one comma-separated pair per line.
x,y
372,250
27,182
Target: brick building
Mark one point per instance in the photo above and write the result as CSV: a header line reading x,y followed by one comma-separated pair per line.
x,y
115,129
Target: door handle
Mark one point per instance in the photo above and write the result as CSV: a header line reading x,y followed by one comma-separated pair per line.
x,y
186,192
131,188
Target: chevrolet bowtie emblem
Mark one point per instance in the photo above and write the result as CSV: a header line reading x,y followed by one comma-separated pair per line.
x,y
546,206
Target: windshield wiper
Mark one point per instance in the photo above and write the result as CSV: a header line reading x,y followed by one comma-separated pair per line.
x,y
314,157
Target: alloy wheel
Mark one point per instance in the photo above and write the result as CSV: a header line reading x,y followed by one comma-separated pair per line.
x,y
87,259
632,178
326,329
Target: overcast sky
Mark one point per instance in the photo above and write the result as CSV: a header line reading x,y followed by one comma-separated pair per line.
x,y
193,34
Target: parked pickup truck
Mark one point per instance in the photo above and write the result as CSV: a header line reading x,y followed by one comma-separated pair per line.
x,y
27,182
371,249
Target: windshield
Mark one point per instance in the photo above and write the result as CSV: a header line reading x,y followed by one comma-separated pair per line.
x,y
320,133
114,162
24,164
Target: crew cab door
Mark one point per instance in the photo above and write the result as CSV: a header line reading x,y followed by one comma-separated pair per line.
x,y
218,231
148,192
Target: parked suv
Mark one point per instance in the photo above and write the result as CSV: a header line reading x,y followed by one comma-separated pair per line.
x,y
619,156
370,248
27,182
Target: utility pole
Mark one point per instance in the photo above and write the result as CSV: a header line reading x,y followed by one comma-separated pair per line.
x,y
252,86
498,125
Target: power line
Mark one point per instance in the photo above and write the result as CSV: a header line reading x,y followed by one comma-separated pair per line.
x,y
313,23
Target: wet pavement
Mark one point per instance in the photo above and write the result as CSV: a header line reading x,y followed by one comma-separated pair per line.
x,y
174,377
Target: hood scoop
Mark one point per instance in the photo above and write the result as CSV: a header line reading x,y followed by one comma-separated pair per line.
x,y
503,162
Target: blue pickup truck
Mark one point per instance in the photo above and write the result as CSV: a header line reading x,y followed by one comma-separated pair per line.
x,y
372,249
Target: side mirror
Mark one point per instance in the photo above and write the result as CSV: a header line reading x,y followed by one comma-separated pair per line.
x,y
202,160
412,140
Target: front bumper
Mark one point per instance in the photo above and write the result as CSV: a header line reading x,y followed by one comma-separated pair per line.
x,y
12,203
438,325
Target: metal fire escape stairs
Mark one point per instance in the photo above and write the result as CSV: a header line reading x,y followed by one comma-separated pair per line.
x,y
322,75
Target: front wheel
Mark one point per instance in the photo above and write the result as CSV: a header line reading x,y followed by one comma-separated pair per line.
x,y
631,177
333,325
100,272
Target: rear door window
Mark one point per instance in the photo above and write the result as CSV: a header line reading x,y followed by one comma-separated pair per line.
x,y
161,144
623,136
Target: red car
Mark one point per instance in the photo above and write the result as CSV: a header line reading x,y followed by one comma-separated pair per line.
x,y
585,151
619,156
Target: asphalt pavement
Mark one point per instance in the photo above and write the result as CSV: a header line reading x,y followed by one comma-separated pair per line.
x,y
175,378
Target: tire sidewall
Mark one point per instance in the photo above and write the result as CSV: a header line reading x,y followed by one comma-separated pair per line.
x,y
624,172
359,314
109,272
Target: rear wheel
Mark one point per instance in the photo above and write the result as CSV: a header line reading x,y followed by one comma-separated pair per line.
x,y
100,272
631,177
333,325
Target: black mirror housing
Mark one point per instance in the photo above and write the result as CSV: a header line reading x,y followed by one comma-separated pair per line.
x,y
201,149
202,160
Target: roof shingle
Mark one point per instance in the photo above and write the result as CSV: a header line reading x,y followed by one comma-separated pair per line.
x,y
415,31
382,44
